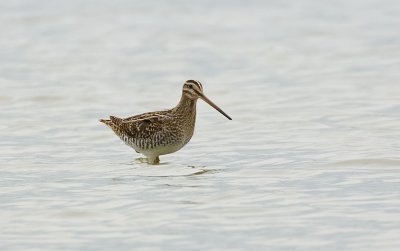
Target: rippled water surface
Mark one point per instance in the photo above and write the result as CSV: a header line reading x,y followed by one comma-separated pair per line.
x,y
310,160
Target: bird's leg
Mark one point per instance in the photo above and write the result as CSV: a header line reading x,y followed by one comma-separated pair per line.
x,y
153,160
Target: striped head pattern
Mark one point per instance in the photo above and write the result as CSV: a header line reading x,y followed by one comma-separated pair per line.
x,y
193,89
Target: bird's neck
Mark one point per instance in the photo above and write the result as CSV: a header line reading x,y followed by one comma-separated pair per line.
x,y
186,106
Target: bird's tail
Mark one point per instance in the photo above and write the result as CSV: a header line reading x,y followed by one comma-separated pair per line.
x,y
112,121
106,121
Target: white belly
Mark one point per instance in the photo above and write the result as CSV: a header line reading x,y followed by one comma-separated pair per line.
x,y
160,150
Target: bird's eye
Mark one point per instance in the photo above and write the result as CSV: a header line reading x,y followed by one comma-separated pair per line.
x,y
190,86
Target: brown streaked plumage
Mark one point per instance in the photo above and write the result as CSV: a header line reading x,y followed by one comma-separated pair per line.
x,y
163,132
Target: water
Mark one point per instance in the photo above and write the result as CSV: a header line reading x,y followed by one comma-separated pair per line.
x,y
310,160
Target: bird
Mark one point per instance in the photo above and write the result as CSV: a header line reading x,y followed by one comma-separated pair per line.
x,y
162,132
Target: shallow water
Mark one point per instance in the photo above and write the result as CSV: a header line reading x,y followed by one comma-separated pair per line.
x,y
310,160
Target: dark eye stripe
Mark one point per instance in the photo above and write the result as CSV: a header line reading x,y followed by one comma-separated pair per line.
x,y
197,83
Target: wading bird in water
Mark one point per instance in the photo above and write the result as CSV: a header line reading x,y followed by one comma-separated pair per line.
x,y
158,133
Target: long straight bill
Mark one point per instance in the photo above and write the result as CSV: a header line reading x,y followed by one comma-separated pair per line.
x,y
203,97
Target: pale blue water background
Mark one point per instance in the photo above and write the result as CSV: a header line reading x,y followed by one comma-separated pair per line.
x,y
309,162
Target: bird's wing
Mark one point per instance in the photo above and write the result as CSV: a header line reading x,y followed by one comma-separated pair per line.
x,y
145,126
144,115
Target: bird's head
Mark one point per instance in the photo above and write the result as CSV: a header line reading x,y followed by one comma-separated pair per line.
x,y
192,89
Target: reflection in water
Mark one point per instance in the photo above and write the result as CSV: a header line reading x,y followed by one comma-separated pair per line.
x,y
171,170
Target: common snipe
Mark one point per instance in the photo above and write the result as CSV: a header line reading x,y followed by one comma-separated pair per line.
x,y
157,133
